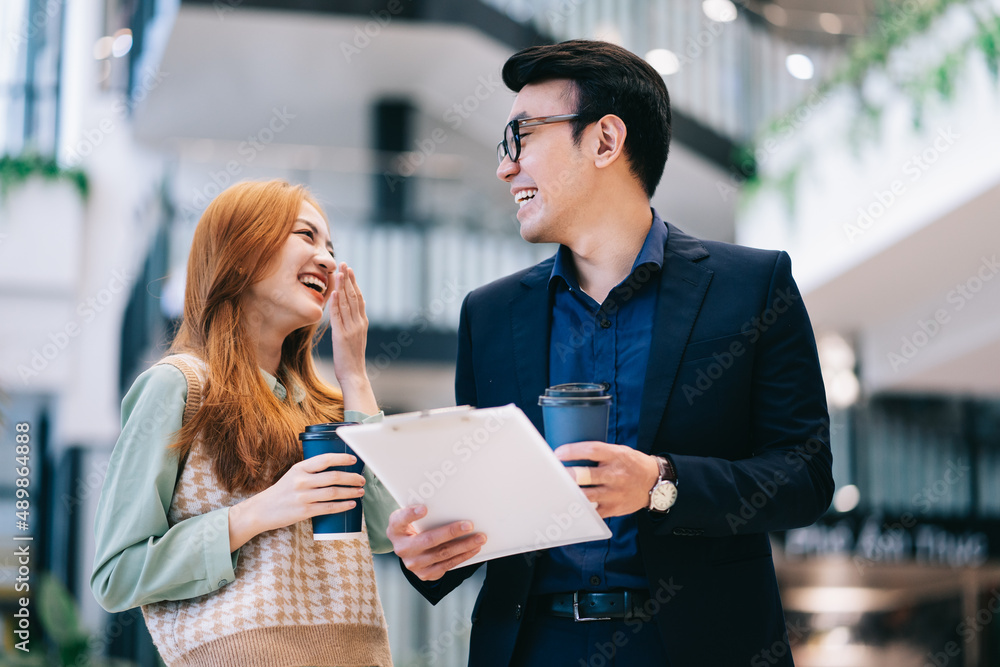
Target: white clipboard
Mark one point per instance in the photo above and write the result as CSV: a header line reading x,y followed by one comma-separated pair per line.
x,y
489,466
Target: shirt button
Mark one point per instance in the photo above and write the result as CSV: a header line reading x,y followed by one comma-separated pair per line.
x,y
595,580
517,612
605,323
223,582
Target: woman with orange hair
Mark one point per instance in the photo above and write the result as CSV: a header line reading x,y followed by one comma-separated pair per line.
x,y
204,515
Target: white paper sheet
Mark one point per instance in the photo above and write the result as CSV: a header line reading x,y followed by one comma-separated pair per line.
x,y
490,466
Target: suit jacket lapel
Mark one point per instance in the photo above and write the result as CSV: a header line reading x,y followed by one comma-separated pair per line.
x,y
531,322
682,289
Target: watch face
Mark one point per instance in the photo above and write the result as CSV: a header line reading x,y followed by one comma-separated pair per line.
x,y
663,497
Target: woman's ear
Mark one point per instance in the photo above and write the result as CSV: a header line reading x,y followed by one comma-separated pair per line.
x,y
611,135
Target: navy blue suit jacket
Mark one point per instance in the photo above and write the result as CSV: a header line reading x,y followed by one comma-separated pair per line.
x,y
733,392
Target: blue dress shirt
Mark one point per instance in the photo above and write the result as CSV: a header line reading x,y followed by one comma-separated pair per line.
x,y
606,342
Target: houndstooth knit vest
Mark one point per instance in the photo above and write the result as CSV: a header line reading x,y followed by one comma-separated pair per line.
x,y
294,602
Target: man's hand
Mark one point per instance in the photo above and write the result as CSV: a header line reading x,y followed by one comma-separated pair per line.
x,y
432,553
620,483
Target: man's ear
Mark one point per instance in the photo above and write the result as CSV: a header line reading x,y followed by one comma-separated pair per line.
x,y
611,132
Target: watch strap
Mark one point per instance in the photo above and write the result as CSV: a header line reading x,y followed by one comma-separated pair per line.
x,y
667,471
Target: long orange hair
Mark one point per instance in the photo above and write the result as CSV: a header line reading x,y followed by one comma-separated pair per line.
x,y
251,436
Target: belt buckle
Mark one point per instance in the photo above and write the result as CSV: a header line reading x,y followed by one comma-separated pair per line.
x,y
576,611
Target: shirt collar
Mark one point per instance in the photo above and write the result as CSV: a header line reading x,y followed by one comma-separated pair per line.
x,y
279,390
651,253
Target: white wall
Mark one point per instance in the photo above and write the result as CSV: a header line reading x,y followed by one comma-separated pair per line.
x,y
882,234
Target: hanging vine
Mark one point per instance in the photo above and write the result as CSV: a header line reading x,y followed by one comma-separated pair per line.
x,y
16,169
896,25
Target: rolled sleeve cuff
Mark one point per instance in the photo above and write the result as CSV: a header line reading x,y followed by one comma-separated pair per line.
x,y
362,417
220,563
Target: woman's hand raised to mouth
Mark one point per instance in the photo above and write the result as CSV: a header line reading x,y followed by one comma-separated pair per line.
x,y
349,331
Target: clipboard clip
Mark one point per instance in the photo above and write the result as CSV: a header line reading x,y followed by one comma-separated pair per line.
x,y
408,417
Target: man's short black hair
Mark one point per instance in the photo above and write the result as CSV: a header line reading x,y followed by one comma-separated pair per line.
x,y
609,80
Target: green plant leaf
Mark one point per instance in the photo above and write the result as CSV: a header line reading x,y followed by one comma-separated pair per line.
x,y
16,169
988,41
58,613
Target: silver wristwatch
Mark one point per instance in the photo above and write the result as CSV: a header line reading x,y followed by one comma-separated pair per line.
x,y
663,495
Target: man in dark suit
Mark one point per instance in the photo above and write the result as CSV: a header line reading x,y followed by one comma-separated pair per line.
x,y
718,417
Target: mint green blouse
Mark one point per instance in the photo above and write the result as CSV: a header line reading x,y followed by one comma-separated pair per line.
x,y
140,558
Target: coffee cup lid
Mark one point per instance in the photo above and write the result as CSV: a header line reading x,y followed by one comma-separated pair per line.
x,y
589,392
322,431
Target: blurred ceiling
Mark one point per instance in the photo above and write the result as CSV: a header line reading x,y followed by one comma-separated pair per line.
x,y
227,76
823,21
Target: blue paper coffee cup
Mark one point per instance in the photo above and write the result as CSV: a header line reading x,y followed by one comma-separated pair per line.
x,y
574,412
323,439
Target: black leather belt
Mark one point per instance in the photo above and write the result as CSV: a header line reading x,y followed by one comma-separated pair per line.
x,y
586,606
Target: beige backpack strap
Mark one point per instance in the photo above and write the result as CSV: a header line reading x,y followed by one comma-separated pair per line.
x,y
188,365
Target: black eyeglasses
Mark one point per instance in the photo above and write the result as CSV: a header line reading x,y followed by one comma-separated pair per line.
x,y
512,134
